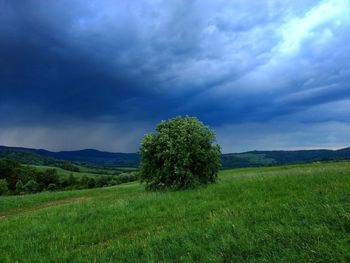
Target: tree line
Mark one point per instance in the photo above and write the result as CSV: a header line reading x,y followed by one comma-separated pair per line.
x,y
20,179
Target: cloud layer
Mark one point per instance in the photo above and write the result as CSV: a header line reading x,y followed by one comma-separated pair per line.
x,y
264,74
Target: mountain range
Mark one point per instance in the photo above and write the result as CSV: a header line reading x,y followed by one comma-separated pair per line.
x,y
229,160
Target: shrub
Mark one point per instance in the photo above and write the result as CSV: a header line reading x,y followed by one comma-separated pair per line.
x,y
181,154
102,181
84,181
3,186
113,182
27,173
126,177
51,187
20,187
91,183
12,180
51,177
32,186
42,186
63,183
7,167
72,180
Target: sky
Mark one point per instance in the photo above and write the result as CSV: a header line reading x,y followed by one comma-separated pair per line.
x,y
264,75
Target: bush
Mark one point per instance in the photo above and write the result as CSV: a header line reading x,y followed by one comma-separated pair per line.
x,y
102,181
49,176
72,180
91,183
27,173
32,186
51,187
181,154
3,186
20,187
126,177
84,181
113,182
7,168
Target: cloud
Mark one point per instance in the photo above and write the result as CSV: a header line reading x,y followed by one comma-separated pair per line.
x,y
124,137
229,63
288,135
316,26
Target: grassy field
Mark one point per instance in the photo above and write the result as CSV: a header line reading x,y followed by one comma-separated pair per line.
x,y
64,173
298,213
84,171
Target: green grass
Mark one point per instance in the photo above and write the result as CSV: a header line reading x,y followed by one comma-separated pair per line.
x,y
64,173
84,170
109,170
298,213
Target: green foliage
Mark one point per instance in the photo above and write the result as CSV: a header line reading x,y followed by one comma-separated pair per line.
x,y
91,183
49,176
126,177
72,180
63,182
12,180
84,180
3,186
27,156
17,176
7,166
20,187
51,187
35,157
69,167
32,186
9,171
102,181
27,173
113,182
181,154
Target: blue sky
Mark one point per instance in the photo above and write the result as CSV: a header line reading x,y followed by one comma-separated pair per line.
x,y
100,74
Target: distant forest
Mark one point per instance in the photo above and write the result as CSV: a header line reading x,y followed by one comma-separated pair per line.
x,y
229,161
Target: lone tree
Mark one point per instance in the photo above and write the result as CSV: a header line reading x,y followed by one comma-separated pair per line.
x,y
181,154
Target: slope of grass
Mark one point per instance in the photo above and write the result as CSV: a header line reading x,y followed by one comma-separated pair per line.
x,y
297,213
84,171
64,173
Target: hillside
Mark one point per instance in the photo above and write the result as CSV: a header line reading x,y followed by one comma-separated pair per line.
x,y
88,156
297,213
26,156
270,158
230,160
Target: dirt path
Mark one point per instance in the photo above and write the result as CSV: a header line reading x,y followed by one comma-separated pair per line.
x,y
29,209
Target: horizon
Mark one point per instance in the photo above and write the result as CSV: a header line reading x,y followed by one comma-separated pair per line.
x,y
101,74
255,150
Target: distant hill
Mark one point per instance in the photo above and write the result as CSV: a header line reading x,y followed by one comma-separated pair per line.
x,y
98,157
269,158
89,156
27,156
230,160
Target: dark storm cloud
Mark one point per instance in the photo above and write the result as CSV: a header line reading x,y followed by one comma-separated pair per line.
x,y
117,64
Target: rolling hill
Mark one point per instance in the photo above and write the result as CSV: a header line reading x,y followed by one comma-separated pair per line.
x,y
89,156
230,160
270,158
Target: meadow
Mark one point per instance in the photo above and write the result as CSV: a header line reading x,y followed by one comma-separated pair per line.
x,y
295,213
84,170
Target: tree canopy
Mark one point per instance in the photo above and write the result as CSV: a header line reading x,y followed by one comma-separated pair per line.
x,y
181,154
